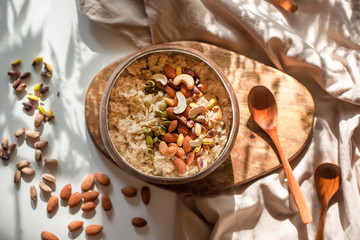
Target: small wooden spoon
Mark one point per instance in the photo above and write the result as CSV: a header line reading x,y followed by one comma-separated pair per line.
x,y
263,109
327,181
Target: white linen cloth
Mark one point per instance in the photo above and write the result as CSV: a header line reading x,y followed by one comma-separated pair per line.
x,y
319,45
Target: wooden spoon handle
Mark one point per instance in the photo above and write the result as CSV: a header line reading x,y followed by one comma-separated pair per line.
x,y
320,229
299,198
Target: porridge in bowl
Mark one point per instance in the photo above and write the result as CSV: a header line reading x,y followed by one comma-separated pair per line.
x,y
169,115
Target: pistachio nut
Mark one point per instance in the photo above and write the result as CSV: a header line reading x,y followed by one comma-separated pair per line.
x,y
5,143
38,119
14,74
16,83
38,87
43,91
19,132
178,70
37,61
16,63
28,106
40,144
180,140
25,76
212,103
33,98
32,134
41,110
11,148
21,88
38,155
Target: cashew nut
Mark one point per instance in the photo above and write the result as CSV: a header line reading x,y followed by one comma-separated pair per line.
x,y
161,78
186,79
167,151
217,115
181,106
196,111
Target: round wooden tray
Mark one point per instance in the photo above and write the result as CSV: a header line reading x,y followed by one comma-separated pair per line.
x,y
253,155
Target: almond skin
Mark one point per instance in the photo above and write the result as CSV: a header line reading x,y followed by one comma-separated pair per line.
x,y
129,191
93,229
88,206
172,126
75,199
66,192
106,202
88,183
45,235
170,137
145,195
186,144
180,165
33,192
138,222
90,196
169,71
102,178
52,204
75,225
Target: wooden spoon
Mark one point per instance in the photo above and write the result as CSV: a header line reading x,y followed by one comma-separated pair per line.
x,y
263,109
327,181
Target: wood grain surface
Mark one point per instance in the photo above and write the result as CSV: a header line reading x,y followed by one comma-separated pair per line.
x,y
253,155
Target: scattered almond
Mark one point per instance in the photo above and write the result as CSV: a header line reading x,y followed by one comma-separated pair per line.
x,y
52,204
19,132
38,155
22,164
11,148
48,177
46,188
75,225
145,195
75,199
93,229
172,126
17,176
129,191
51,161
90,196
28,170
138,222
32,134
102,178
106,202
88,206
33,192
88,183
40,144
66,192
45,235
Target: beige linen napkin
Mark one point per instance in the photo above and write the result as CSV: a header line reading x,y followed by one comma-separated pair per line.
x,y
319,45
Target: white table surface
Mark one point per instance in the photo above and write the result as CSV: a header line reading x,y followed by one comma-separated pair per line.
x,y
77,50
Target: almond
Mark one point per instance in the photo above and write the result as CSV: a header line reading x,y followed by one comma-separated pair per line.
x,y
48,177
51,161
17,176
184,90
183,129
186,112
33,192
170,113
138,222
90,196
180,165
88,206
40,144
129,191
66,192
75,199
88,183
19,132
46,188
93,229
75,225
169,71
45,235
102,178
28,170
190,158
170,91
145,195
22,164
182,119
52,204
106,202
32,134
170,137
180,153
186,144
172,126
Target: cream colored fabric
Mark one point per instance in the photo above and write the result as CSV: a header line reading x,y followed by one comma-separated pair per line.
x,y
319,45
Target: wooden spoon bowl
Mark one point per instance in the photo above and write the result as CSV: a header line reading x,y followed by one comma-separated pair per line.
x,y
327,180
